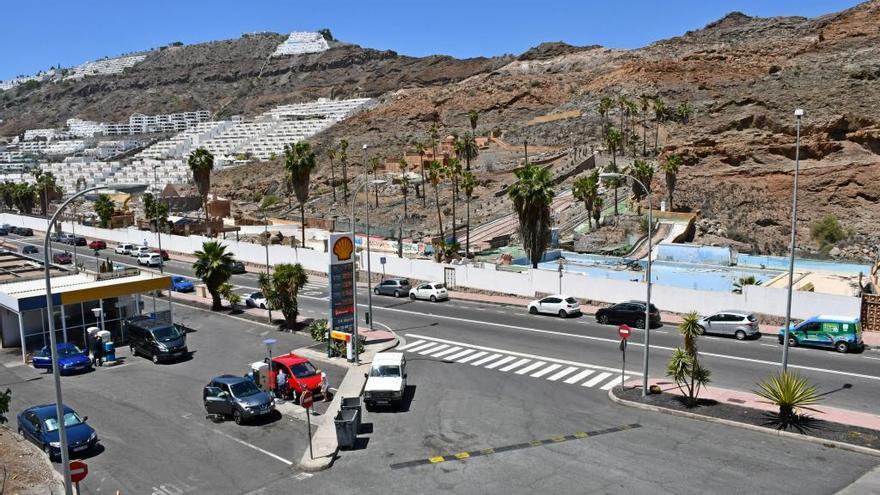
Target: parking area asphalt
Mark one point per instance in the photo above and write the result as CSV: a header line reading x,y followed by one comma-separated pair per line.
x,y
155,437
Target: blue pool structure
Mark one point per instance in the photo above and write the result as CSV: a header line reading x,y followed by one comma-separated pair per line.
x,y
803,265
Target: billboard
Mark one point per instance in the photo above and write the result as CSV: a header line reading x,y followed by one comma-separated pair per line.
x,y
342,282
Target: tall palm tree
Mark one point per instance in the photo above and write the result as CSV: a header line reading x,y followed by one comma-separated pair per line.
x,y
659,116
453,172
469,149
435,175
331,154
404,183
744,281
632,109
605,105
622,106
374,167
299,162
473,117
213,266
670,166
434,135
613,141
47,188
644,172
468,183
343,159
586,189
201,163
104,208
531,195
7,193
644,106
420,149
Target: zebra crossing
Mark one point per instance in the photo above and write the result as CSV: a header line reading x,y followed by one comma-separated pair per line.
x,y
517,363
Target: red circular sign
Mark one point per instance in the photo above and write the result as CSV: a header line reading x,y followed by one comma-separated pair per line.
x,y
78,471
624,331
307,400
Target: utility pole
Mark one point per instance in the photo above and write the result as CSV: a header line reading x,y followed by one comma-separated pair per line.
x,y
798,114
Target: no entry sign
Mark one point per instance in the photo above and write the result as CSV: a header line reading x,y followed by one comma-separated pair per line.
x,y
78,471
307,400
624,331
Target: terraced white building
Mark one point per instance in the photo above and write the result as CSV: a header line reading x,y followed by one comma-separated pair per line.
x,y
302,42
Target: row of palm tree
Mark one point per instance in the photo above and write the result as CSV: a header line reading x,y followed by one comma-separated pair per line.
x,y
21,196
642,109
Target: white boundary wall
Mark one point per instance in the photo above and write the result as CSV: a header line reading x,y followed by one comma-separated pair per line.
x,y
754,298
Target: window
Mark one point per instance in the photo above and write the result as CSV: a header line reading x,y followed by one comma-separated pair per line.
x,y
810,327
244,388
302,370
571,300
552,300
385,371
830,327
70,419
439,286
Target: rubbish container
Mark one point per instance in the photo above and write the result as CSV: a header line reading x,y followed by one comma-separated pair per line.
x,y
109,352
354,404
346,432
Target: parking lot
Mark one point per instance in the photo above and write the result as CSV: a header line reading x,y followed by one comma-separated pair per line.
x,y
154,435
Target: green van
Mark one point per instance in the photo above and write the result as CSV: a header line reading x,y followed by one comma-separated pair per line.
x,y
842,333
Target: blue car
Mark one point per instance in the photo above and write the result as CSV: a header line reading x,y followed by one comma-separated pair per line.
x,y
70,359
180,284
841,333
39,424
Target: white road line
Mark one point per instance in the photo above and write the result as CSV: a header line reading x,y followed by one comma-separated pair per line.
x,y
411,345
486,360
423,347
579,376
530,367
429,350
612,383
500,362
869,357
472,357
515,365
596,379
258,449
459,354
546,370
447,351
769,345
562,373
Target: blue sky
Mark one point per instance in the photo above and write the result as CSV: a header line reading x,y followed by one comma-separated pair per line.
x,y
38,34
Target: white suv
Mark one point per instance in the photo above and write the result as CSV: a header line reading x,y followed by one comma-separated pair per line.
x,y
558,304
150,259
139,251
432,291
123,248
386,381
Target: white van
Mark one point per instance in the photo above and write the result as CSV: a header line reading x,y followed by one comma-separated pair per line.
x,y
386,381
124,248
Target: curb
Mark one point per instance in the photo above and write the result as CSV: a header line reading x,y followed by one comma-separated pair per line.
x,y
672,412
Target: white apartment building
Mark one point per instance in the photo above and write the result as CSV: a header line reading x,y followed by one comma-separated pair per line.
x,y
85,128
103,67
47,134
301,42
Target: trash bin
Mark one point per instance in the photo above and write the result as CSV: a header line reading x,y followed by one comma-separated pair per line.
x,y
109,352
354,404
346,422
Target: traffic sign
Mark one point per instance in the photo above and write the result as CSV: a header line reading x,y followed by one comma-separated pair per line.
x,y
382,260
307,400
78,471
624,331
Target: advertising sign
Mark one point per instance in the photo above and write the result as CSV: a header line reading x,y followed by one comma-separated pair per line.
x,y
341,283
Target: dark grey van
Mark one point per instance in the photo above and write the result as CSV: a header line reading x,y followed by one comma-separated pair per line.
x,y
156,339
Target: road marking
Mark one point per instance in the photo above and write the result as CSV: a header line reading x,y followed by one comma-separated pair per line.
x,y
612,383
447,351
423,346
515,365
562,373
434,349
459,354
500,362
596,379
486,360
546,370
579,376
258,449
530,367
472,357
869,357
411,345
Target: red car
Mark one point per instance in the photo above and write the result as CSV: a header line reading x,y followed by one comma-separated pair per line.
x,y
163,253
301,374
97,244
62,258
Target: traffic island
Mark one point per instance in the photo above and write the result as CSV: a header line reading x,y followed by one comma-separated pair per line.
x,y
854,431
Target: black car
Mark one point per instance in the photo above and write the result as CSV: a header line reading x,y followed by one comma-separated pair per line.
x,y
25,231
156,338
629,312
238,397
4,231
79,241
237,267
28,249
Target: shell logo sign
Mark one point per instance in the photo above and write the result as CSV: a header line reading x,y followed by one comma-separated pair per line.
x,y
341,248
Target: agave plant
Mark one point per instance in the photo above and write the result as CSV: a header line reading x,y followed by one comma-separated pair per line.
x,y
791,393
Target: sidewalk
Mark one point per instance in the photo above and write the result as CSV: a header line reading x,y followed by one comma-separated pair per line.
x,y
869,484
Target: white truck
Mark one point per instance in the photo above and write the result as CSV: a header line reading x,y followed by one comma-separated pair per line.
x,y
386,381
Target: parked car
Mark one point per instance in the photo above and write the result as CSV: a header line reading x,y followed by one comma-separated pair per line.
x,y
63,258
64,237
386,381
180,284
561,305
136,252
149,259
301,374
39,425
28,249
255,300
432,291
162,253
70,358
25,231
4,231
79,241
237,397
237,267
740,324
97,244
123,248
156,338
393,287
842,333
629,312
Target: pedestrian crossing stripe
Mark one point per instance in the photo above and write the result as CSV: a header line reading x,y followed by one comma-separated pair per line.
x,y
467,455
550,369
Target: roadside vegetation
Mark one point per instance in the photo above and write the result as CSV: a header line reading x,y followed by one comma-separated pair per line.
x,y
684,366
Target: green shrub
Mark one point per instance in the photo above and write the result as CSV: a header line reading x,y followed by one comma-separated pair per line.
x,y
790,392
684,366
337,347
318,329
827,231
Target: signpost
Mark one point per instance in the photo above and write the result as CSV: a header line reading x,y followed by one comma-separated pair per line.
x,y
382,261
342,308
78,472
624,331
307,400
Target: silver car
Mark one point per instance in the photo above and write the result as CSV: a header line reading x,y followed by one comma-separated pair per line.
x,y
393,287
740,324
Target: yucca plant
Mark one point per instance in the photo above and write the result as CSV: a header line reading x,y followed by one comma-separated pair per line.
x,y
790,392
684,365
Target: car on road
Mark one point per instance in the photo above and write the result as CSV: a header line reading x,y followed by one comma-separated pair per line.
x,y
740,324
123,248
386,381
28,249
256,300
156,338
64,238
181,284
4,231
237,397
71,358
150,259
393,287
25,231
841,333
79,241
431,291
97,244
162,253
559,304
629,312
237,267
301,374
63,258
136,252
39,425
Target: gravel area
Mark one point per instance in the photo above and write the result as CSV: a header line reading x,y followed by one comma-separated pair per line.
x,y
24,469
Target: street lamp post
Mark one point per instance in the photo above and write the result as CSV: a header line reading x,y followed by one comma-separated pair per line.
x,y
367,241
158,226
56,376
615,175
798,114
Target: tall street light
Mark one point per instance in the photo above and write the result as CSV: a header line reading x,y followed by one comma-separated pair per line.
x,y
797,114
56,376
156,217
367,241
615,175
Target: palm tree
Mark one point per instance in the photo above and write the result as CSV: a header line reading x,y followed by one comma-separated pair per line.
x,y
613,140
343,159
659,116
744,281
299,162
684,365
453,172
598,203
404,183
644,172
331,154
435,175
605,105
47,187
531,195
644,106
670,166
473,117
469,150
420,149
434,134
281,289
631,110
586,189
374,167
104,208
7,193
622,106
201,163
213,267
468,183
